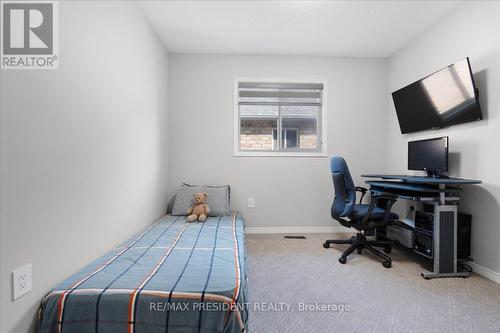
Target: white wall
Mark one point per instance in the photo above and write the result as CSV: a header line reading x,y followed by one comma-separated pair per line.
x,y
289,191
83,149
474,31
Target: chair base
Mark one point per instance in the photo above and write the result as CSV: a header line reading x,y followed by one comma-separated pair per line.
x,y
359,242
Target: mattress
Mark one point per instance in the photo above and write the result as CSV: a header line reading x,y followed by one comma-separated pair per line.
x,y
174,276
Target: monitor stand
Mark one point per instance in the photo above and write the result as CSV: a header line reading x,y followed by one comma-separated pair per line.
x,y
436,174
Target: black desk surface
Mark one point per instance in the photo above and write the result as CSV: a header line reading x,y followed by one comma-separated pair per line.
x,y
424,180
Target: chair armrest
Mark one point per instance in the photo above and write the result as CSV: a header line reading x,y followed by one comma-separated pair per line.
x,y
363,191
391,198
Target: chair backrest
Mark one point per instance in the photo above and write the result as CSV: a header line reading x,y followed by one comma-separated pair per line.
x,y
345,191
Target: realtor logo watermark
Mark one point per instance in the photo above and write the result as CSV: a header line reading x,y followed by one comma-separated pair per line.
x,y
255,307
30,35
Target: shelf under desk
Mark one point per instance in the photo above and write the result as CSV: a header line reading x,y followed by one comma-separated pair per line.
x,y
412,196
399,185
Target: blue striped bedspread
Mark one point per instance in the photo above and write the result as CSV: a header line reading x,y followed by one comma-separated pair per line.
x,y
174,276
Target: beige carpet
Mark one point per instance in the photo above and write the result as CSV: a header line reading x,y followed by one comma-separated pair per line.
x,y
380,300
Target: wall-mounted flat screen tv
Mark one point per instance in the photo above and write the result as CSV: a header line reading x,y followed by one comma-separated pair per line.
x,y
446,97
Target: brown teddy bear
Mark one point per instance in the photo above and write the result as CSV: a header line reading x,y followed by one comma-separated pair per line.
x,y
200,209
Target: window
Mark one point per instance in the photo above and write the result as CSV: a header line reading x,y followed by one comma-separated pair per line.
x,y
277,118
289,138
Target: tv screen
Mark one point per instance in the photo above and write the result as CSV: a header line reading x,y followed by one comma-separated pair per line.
x,y
444,98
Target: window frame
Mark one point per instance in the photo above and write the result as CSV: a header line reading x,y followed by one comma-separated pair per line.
x,y
322,119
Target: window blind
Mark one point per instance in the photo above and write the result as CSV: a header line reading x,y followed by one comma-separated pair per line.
x,y
271,100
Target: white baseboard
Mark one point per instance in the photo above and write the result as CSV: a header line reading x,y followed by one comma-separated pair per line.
x,y
485,272
297,230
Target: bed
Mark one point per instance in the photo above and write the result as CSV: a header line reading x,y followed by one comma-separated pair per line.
x,y
172,277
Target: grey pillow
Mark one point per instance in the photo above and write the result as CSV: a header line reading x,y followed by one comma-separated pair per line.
x,y
218,199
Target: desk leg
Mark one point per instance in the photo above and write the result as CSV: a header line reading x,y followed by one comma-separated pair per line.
x,y
445,243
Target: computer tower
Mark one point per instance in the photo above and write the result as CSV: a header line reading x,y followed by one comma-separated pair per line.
x,y
424,232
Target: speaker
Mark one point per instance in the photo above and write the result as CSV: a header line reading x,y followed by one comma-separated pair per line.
x,y
464,226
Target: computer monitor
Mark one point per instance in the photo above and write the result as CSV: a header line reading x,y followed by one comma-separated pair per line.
x,y
430,155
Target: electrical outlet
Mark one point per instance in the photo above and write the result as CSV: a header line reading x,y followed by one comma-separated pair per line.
x,y
21,281
251,203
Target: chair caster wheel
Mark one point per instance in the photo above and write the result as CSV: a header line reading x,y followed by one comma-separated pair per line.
x,y
360,251
387,264
326,245
387,249
342,260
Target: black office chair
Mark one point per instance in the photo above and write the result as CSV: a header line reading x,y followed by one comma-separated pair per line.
x,y
364,218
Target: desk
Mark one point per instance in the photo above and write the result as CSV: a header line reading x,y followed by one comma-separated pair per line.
x,y
424,180
444,194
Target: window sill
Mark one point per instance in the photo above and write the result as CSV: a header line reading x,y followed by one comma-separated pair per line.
x,y
278,154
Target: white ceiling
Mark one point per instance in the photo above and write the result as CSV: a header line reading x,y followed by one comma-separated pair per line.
x,y
339,28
